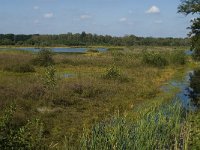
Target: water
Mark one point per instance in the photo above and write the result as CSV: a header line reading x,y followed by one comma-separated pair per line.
x,y
184,94
188,52
189,88
63,50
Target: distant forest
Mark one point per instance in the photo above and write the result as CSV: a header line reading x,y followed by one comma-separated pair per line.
x,y
87,39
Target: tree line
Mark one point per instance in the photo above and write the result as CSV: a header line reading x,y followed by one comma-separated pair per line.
x,y
88,39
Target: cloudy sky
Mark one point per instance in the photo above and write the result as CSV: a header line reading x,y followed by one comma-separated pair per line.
x,y
156,18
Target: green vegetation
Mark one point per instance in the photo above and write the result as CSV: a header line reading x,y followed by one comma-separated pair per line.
x,y
44,58
80,108
154,58
159,128
87,39
93,51
161,59
14,137
193,7
20,68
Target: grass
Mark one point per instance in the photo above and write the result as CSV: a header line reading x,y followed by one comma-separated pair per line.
x,y
86,97
162,127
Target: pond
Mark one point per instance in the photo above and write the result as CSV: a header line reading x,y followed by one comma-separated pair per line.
x,y
59,50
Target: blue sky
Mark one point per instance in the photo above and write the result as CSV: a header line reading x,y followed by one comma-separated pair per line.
x,y
157,18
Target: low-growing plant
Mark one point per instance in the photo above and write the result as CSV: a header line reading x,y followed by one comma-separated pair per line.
x,y
44,58
20,68
154,58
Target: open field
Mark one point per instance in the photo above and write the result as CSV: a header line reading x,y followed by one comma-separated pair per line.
x,y
79,90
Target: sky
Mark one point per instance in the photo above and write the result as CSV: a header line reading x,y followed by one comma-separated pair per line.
x,y
156,18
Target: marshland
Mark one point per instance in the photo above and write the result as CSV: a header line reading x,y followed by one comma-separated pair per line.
x,y
131,82
95,100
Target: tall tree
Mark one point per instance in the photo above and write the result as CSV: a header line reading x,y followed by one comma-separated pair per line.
x,y
193,7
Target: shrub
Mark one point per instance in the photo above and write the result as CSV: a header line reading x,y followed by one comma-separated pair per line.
x,y
44,58
115,49
20,68
29,136
154,58
112,73
50,78
178,58
93,51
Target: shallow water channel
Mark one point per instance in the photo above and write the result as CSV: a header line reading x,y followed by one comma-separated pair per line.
x,y
189,89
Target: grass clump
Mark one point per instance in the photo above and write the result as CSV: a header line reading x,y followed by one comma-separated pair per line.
x,y
44,58
160,128
155,59
20,68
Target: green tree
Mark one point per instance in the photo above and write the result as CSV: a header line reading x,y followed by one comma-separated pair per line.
x,y
193,7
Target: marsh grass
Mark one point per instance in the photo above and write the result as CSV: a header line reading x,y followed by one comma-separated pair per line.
x,y
160,128
83,99
19,68
154,58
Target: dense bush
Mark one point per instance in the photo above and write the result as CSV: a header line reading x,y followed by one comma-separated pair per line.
x,y
29,136
44,58
20,68
154,58
178,58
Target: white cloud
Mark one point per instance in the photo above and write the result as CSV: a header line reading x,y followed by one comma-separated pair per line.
x,y
48,15
84,17
123,19
153,10
36,7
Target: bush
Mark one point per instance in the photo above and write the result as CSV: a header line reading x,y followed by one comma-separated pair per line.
x,y
178,58
154,58
114,74
49,78
93,51
29,136
20,68
115,49
44,58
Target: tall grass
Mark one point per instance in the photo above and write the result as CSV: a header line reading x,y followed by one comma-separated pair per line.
x,y
160,128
